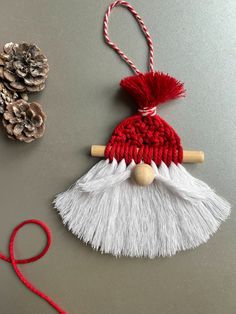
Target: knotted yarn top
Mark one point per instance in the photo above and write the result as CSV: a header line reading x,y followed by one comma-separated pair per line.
x,y
151,89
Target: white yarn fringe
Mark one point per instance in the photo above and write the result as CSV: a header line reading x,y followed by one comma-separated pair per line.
x,y
108,210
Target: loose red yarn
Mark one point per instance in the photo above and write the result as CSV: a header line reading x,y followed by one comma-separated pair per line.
x,y
11,259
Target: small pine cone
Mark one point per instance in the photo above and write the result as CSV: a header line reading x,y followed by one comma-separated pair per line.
x,y
7,97
24,121
23,67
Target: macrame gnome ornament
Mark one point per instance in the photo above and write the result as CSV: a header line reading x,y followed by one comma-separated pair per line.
x,y
140,200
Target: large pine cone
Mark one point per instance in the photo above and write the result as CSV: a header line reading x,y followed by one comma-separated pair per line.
x,y
24,121
7,97
23,67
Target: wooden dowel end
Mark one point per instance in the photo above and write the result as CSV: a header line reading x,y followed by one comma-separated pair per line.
x,y
193,156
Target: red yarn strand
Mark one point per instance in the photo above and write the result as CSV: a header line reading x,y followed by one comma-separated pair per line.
x,y
11,259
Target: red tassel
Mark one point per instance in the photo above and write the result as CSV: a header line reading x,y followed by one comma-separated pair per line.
x,y
152,88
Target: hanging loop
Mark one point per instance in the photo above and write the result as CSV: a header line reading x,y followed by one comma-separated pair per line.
x,y
143,27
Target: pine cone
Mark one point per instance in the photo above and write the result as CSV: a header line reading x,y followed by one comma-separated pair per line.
x,y
7,97
24,121
23,67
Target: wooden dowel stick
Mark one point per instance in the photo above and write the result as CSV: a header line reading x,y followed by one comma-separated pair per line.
x,y
193,156
189,156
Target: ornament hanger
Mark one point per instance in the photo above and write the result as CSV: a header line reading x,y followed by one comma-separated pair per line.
x,y
143,28
140,201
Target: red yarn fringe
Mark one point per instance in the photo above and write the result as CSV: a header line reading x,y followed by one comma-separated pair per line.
x,y
152,88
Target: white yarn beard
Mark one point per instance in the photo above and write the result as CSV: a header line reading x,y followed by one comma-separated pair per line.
x,y
108,210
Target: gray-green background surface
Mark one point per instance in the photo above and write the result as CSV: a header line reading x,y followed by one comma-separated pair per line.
x,y
195,42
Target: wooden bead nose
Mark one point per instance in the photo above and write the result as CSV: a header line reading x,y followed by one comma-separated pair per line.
x,y
143,174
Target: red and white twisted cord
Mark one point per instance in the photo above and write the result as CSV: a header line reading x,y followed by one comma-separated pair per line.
x,y
148,111
143,27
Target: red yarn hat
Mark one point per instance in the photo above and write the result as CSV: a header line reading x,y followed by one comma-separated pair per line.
x,y
146,136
